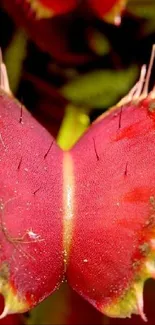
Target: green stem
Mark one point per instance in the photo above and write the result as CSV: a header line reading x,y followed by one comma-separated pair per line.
x,y
75,122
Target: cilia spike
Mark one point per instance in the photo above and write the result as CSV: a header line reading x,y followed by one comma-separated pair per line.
x,y
140,302
140,90
92,221
4,81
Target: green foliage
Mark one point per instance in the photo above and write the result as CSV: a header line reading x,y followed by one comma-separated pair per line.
x,y
142,8
14,58
100,88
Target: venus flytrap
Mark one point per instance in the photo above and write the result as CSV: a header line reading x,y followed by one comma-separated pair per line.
x,y
86,215
31,164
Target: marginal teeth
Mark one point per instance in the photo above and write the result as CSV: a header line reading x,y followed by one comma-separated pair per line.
x,y
141,88
4,81
148,75
140,302
150,267
140,82
5,312
117,20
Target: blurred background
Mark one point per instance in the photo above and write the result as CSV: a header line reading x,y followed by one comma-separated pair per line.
x,y
75,58
67,70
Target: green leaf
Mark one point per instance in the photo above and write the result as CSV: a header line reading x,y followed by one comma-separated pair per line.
x,y
101,88
14,57
142,8
98,42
